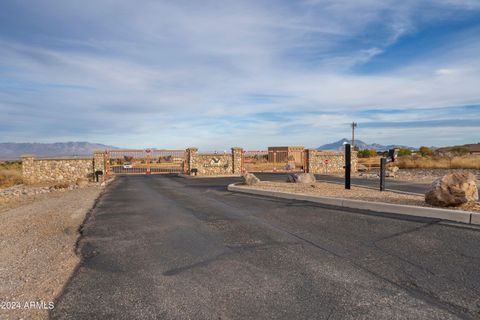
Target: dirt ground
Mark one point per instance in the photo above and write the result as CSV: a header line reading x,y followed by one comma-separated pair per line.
x,y
333,190
414,175
37,249
428,175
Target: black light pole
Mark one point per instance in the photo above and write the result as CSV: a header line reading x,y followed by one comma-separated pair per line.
x,y
383,165
392,156
348,164
354,125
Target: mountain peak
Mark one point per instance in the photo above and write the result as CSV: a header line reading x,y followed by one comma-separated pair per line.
x,y
338,145
12,150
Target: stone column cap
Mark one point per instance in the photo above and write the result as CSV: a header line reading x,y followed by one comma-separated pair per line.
x,y
237,148
192,149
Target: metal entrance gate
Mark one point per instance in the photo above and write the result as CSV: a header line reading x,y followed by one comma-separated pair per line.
x,y
144,161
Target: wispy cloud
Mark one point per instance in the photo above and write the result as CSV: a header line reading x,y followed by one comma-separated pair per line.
x,y
250,73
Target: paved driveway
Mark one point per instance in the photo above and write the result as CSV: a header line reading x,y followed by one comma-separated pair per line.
x,y
158,247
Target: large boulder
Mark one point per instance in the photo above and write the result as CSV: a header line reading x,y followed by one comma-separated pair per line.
x,y
290,166
301,178
453,190
362,168
391,171
250,179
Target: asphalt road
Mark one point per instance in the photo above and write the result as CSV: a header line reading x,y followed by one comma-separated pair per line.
x,y
158,247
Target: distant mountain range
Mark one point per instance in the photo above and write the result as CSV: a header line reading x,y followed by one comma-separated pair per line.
x,y
338,145
10,150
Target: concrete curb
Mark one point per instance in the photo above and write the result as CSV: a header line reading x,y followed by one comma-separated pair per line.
x,y
425,212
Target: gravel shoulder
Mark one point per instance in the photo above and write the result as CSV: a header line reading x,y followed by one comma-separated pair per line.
x,y
38,235
334,190
416,175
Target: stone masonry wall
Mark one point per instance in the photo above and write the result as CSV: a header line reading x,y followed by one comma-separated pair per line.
x,y
214,164
336,161
55,170
99,161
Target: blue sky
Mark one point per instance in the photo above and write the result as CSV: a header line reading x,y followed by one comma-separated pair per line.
x,y
216,74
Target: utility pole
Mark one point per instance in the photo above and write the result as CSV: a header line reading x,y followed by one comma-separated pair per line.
x,y
354,125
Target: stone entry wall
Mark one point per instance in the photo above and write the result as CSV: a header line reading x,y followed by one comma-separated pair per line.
x,y
55,170
336,161
214,164
223,164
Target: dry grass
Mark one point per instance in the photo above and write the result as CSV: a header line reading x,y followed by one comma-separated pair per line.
x,y
370,163
460,162
10,174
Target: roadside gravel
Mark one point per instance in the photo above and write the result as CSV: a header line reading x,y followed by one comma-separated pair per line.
x,y
428,175
37,249
333,190
415,175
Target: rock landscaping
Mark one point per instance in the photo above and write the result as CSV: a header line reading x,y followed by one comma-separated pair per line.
x,y
301,178
19,194
453,190
250,179
325,189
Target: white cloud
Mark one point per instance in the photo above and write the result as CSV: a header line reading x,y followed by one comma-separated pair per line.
x,y
173,68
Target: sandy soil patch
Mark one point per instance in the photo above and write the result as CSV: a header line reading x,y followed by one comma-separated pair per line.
x,y
333,190
37,249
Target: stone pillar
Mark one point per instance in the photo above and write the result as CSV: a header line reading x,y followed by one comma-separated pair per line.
x,y
237,162
99,161
354,161
28,168
190,161
99,164
309,161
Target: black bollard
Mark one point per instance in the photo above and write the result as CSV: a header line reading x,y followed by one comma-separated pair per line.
x,y
383,165
348,164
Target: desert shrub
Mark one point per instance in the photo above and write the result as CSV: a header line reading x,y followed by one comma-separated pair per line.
x,y
439,162
425,151
367,153
404,152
